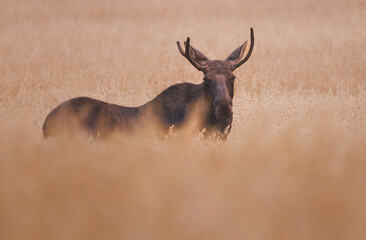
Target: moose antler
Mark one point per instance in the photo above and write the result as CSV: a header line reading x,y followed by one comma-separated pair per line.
x,y
249,52
187,55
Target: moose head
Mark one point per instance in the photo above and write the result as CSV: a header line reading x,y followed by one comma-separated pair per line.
x,y
218,75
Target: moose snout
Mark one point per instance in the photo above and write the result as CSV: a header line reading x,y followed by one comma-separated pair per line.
x,y
223,110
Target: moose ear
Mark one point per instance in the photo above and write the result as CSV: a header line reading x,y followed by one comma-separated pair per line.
x,y
237,54
197,56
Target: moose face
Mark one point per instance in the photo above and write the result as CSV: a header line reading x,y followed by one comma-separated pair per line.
x,y
219,86
218,76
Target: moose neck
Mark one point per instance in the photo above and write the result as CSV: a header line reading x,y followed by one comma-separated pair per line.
x,y
177,103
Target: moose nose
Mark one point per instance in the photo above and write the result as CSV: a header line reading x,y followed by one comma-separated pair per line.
x,y
223,110
224,102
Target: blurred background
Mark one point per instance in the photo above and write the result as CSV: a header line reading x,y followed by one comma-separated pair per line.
x,y
292,168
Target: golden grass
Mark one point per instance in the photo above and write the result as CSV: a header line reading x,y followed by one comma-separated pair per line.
x,y
294,164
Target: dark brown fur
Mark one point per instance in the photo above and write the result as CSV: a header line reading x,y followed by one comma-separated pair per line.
x,y
171,107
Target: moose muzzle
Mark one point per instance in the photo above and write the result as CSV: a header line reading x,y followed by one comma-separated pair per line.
x,y
223,110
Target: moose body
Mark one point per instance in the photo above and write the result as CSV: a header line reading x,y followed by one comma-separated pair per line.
x,y
210,101
100,119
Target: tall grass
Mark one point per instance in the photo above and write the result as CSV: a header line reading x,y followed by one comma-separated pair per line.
x,y
293,166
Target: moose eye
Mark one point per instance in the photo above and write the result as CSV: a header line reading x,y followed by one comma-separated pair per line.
x,y
232,80
205,81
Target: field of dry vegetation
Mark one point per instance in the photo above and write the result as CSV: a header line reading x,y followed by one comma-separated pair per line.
x,y
293,167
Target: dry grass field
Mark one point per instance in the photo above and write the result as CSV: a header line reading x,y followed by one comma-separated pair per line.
x,y
293,167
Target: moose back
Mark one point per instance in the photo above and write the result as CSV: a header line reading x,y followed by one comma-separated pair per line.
x,y
211,101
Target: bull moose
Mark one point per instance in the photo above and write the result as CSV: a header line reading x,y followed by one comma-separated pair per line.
x,y
171,107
